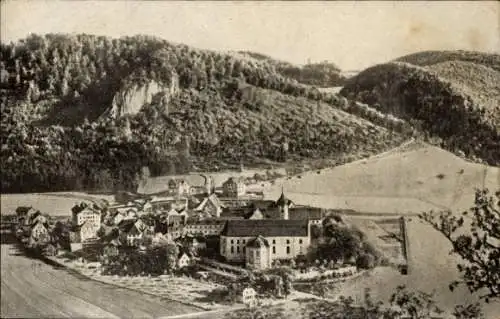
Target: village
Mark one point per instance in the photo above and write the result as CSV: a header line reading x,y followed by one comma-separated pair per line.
x,y
229,236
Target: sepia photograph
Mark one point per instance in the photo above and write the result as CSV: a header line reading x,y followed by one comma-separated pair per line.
x,y
250,159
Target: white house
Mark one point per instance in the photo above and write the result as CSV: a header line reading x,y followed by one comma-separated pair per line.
x,y
210,205
184,260
233,187
38,232
88,231
249,297
179,187
87,215
285,239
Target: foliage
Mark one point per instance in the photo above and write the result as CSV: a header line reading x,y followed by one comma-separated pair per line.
x,y
478,247
342,243
455,102
426,58
56,89
321,74
365,261
155,260
402,304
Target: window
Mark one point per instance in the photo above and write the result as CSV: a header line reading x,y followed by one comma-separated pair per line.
x,y
232,249
288,250
274,241
288,241
232,241
238,241
274,249
237,249
300,241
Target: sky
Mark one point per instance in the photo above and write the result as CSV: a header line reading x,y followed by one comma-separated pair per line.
x,y
354,35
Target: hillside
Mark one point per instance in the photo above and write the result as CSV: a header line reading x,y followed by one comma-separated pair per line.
x,y
418,178
322,74
426,58
455,101
85,112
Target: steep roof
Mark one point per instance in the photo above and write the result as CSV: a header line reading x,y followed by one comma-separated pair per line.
x,y
237,179
258,242
213,199
266,228
306,213
282,200
126,224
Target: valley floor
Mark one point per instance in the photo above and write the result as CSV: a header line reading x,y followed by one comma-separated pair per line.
x,y
29,291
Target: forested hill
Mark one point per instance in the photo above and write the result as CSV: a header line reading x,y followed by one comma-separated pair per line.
x,y
90,112
453,96
320,74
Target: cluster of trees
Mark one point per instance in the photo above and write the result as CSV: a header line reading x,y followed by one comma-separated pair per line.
x,y
60,158
338,242
155,260
321,74
434,106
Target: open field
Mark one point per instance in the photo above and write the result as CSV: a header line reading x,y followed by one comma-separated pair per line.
x,y
44,291
56,204
413,181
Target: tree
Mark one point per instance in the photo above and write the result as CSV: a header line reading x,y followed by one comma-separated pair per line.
x,y
478,246
417,305
365,261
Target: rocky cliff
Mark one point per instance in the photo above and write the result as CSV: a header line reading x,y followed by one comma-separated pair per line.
x,y
132,97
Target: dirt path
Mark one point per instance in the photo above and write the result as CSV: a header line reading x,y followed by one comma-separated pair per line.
x,y
29,291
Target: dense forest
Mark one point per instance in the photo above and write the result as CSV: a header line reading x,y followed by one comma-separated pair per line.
x,y
227,109
321,74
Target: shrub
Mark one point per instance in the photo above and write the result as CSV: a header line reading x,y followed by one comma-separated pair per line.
x,y
365,261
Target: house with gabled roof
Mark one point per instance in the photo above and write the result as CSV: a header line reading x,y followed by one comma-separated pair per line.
x,y
133,230
184,259
258,253
39,231
210,205
87,214
286,238
234,187
255,214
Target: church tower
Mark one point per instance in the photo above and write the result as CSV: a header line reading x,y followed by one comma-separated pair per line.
x,y
283,204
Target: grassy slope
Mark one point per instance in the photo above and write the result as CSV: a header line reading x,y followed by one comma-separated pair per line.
x,y
397,181
55,204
